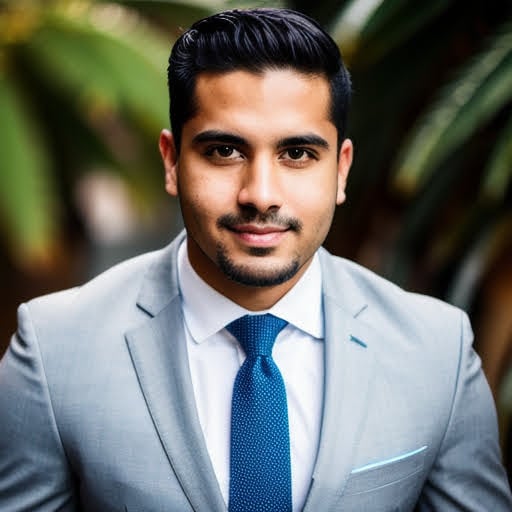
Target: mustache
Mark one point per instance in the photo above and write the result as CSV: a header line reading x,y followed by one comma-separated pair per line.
x,y
273,218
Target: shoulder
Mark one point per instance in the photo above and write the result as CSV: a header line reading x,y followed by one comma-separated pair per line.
x,y
374,288
79,330
114,301
110,288
389,308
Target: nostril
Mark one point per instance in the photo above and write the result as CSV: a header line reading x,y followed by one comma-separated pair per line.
x,y
261,192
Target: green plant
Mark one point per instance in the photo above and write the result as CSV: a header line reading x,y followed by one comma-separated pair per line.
x,y
82,87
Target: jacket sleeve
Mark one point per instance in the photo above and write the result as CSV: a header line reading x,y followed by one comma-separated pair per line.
x,y
34,473
467,473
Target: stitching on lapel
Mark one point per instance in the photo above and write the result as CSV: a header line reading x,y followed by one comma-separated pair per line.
x,y
358,341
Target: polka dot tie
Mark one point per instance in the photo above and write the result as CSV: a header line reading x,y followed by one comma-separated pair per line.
x,y
260,472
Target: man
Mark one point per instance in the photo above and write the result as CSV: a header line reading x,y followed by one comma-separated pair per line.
x,y
129,393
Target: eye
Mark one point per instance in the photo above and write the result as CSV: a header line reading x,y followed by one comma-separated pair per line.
x,y
223,151
298,155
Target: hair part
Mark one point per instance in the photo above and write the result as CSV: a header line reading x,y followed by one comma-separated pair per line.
x,y
255,40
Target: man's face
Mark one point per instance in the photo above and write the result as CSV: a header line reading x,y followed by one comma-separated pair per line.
x,y
258,176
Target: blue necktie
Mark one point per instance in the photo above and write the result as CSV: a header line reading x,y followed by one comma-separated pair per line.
x,y
260,472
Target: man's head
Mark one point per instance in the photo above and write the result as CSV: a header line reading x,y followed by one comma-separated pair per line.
x,y
254,40
257,156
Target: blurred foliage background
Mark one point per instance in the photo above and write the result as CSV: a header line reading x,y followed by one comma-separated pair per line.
x,y
83,98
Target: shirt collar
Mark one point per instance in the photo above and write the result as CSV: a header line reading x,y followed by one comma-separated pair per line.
x,y
207,311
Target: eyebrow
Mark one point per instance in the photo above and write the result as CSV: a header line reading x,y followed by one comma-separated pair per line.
x,y
218,136
309,139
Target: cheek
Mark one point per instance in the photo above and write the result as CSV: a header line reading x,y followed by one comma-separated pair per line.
x,y
316,211
195,207
202,199
315,199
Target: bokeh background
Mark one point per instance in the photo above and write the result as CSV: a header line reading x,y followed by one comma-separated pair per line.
x,y
83,98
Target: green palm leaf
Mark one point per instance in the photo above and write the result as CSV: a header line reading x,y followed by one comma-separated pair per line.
x,y
27,194
498,172
103,69
374,27
175,12
471,100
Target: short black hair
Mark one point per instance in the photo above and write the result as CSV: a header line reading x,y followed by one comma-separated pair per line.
x,y
254,40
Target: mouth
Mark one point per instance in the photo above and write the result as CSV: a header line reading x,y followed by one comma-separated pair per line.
x,y
259,235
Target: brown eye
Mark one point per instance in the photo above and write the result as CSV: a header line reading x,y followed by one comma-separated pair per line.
x,y
223,154
298,157
224,151
295,153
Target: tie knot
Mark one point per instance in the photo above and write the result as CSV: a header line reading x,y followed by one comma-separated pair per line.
x,y
257,333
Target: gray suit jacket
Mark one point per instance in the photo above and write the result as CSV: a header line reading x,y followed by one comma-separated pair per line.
x,y
97,410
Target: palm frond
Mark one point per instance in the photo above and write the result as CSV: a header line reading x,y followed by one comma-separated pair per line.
x,y
490,242
498,173
27,194
372,28
479,91
101,69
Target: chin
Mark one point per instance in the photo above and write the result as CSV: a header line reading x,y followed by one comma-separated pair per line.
x,y
250,275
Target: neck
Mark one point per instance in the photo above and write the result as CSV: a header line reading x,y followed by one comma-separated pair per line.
x,y
256,298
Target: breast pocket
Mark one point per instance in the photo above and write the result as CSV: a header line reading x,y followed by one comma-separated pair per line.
x,y
380,474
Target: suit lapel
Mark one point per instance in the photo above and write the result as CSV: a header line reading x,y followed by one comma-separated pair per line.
x,y
349,376
159,355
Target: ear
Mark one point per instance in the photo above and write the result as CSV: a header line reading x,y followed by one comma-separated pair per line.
x,y
170,159
344,163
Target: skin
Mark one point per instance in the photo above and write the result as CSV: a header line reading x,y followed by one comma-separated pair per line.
x,y
258,176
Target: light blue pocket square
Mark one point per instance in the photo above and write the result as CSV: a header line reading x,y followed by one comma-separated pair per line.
x,y
391,460
385,472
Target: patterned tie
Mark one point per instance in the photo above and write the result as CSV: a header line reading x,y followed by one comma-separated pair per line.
x,y
260,473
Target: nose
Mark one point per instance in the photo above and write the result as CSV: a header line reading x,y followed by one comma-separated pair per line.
x,y
261,187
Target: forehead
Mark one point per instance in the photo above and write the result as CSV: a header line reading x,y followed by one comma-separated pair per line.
x,y
270,101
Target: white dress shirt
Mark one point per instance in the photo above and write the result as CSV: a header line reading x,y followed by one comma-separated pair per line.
x,y
215,357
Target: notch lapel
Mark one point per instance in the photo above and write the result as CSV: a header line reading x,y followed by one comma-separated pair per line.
x,y
159,355
348,381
